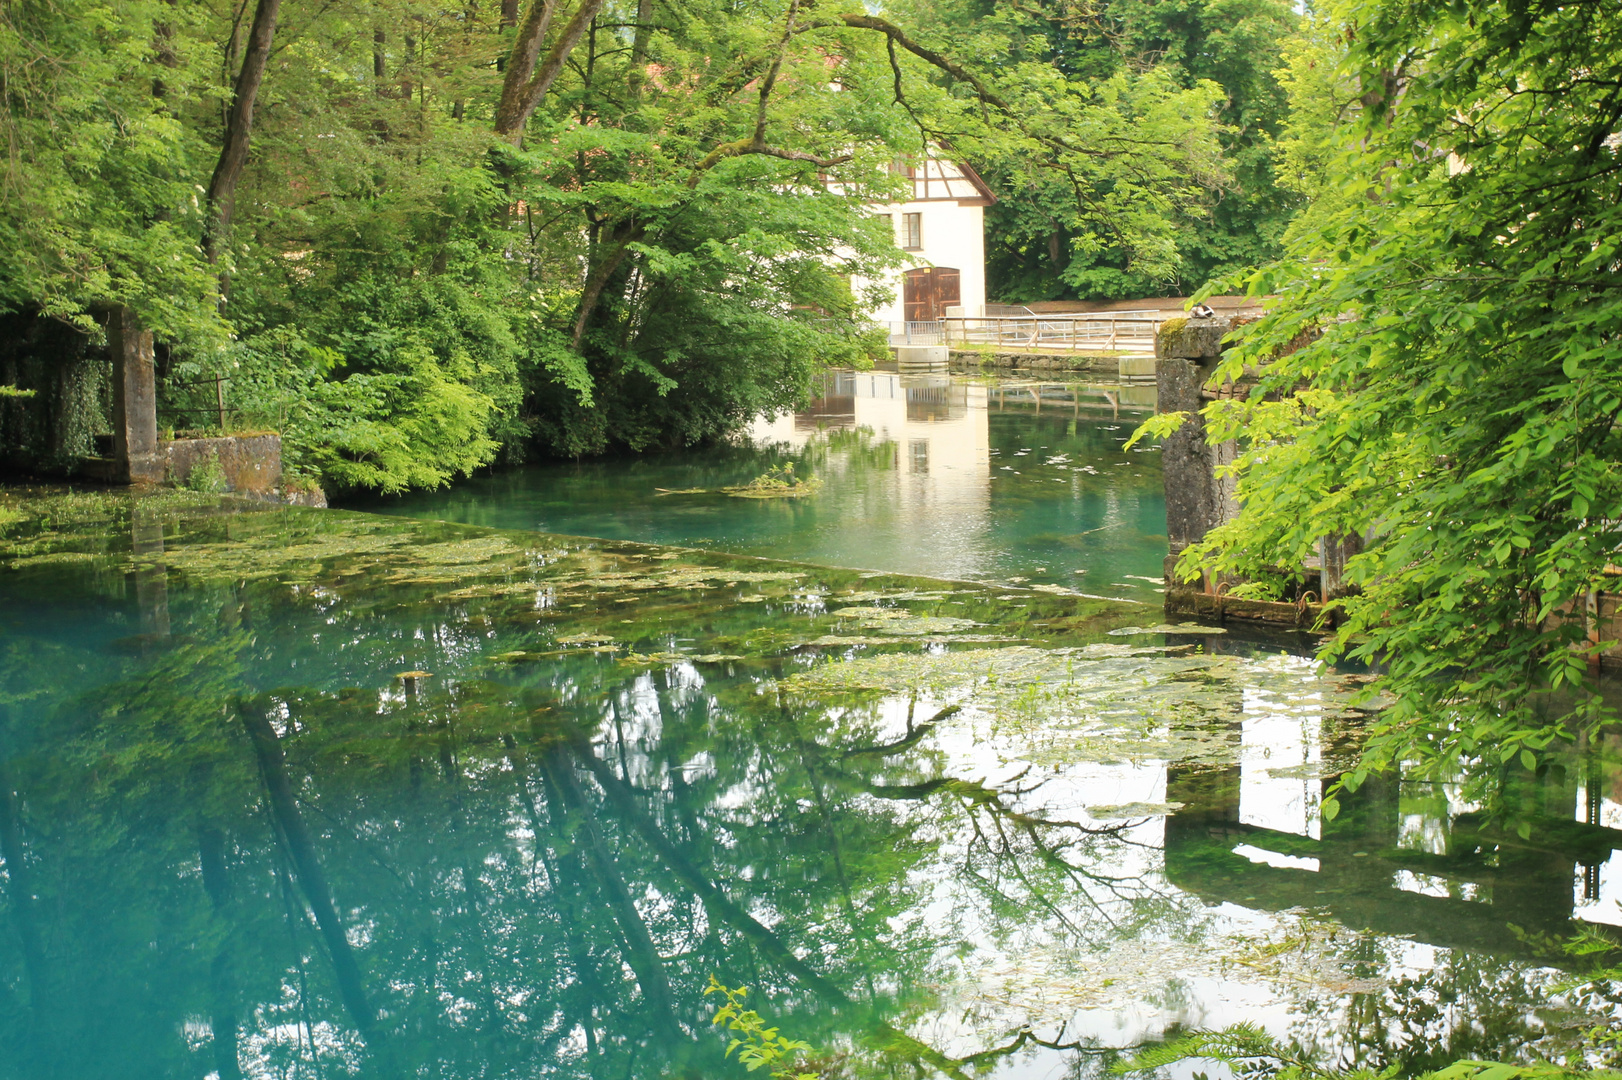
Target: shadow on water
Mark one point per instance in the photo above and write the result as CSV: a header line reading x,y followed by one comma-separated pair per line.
x,y
301,794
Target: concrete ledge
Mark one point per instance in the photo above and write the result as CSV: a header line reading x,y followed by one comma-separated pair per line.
x,y
248,464
1191,339
1204,605
1138,367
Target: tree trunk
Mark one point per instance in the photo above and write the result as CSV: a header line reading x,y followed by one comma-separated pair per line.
x,y
621,797
311,878
222,189
524,85
640,953
222,982
621,239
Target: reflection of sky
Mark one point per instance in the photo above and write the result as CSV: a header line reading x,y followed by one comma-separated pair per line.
x,y
1597,890
1279,782
1123,955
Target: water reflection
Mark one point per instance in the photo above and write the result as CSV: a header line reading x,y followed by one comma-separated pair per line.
x,y
1015,481
973,465
936,517
370,810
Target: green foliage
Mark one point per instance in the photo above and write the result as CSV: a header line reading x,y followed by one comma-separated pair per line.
x,y
206,476
103,162
1324,108
1219,53
1456,402
1158,426
758,1046
666,252
411,420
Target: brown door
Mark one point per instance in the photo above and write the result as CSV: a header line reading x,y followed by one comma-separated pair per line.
x,y
918,295
928,291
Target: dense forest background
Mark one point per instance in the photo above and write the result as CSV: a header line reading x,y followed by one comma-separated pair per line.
x,y
419,237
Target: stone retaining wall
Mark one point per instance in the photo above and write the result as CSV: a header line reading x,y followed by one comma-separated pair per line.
x,y
249,465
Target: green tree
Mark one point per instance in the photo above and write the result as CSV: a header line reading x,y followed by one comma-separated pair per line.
x,y
1037,252
1457,407
417,236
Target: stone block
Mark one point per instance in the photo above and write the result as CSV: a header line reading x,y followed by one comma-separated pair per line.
x,y
921,357
1137,367
1191,339
249,464
135,399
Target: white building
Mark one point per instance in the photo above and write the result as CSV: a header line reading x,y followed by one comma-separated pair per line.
x,y
942,230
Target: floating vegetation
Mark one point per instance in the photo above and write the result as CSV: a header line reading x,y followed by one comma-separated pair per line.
x,y
480,549
586,639
1125,811
777,482
1166,628
1091,703
923,624
55,558
871,596
870,612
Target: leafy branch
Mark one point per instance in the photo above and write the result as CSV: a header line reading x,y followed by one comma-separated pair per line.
x,y
758,1046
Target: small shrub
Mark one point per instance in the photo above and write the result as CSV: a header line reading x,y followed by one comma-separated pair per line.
x,y
207,476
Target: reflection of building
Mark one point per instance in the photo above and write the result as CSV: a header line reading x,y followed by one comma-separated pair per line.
x,y
938,441
942,230
1402,857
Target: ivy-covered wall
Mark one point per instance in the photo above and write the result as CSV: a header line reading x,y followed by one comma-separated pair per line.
x,y
70,378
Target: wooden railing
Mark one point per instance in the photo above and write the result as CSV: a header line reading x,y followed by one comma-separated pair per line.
x,y
1112,331
1129,332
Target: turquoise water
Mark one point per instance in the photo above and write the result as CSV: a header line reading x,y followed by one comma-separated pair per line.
x,y
922,474
302,794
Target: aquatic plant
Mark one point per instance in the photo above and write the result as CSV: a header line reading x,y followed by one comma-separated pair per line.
x,y
1252,1053
206,476
758,1046
776,482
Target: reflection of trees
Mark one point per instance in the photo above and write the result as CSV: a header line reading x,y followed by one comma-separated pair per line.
x,y
247,848
478,878
1469,980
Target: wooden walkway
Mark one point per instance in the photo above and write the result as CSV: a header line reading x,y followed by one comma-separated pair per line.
x,y
1112,333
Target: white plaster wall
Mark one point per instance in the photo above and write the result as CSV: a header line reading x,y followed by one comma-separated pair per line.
x,y
955,236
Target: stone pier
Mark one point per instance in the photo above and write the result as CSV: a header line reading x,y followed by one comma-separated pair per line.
x,y
135,400
1197,498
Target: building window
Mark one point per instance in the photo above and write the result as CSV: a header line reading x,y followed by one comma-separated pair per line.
x,y
912,231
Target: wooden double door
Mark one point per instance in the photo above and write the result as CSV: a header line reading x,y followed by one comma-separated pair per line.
x,y
928,291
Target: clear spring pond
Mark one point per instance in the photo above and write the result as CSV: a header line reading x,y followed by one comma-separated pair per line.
x,y
1010,480
312,794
